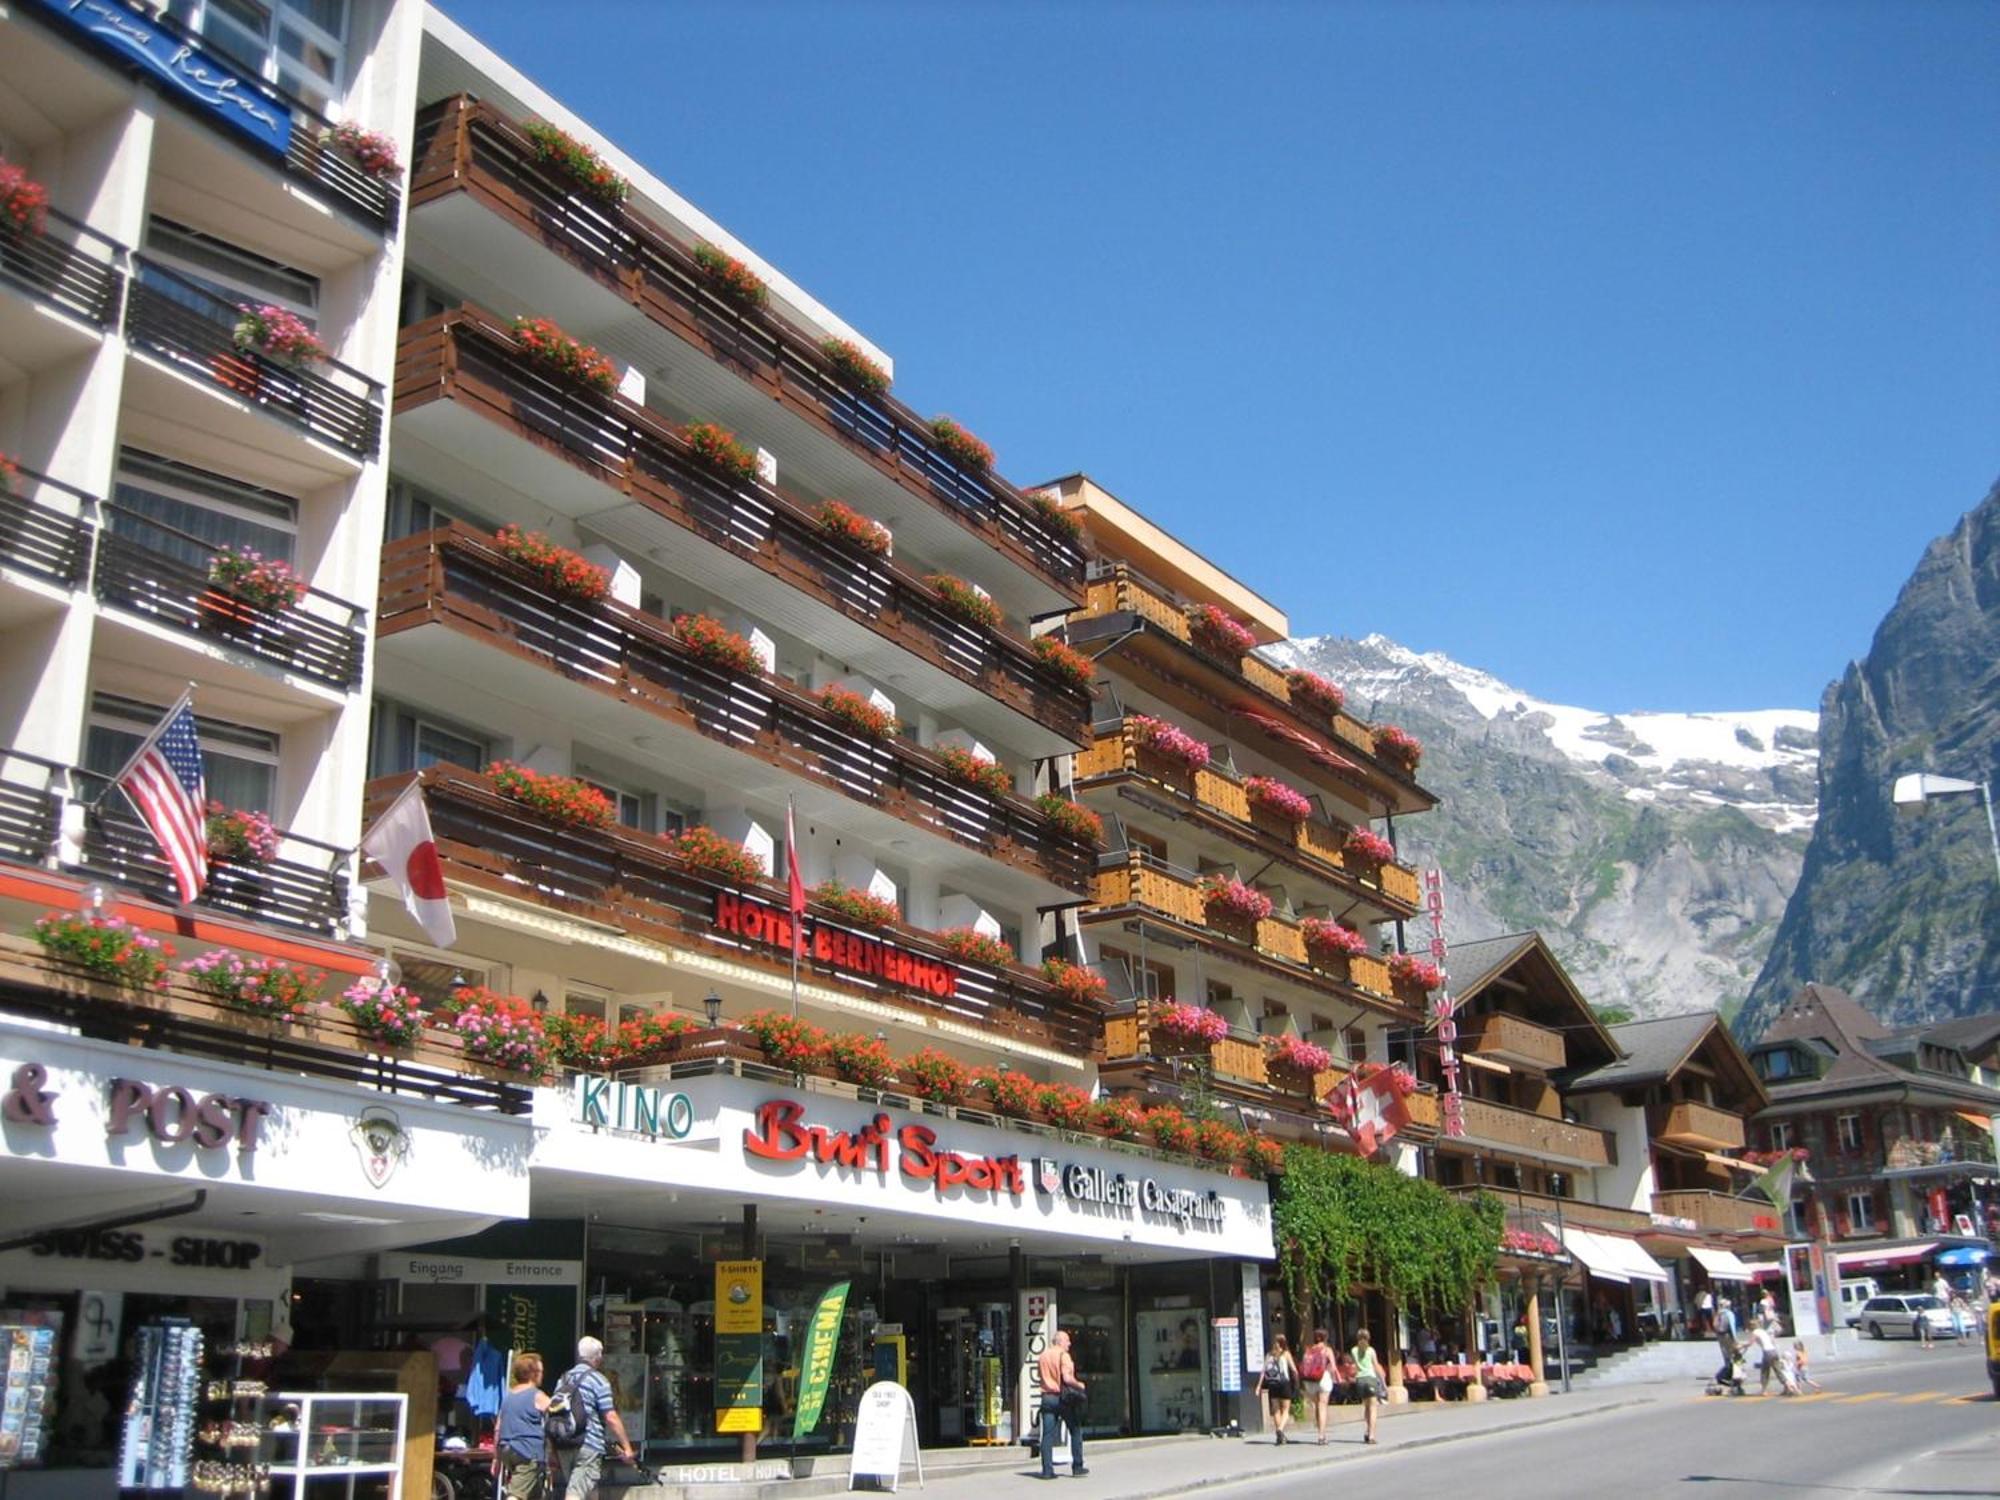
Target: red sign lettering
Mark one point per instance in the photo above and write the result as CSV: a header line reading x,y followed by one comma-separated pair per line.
x,y
780,1133
770,927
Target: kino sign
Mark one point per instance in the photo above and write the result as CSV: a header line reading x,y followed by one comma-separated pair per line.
x,y
1443,1009
634,1108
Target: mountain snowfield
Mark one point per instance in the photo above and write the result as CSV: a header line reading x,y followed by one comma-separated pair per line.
x,y
1654,851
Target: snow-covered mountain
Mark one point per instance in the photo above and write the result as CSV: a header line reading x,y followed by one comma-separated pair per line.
x,y
1655,851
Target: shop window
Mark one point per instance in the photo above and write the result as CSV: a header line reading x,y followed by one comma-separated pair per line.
x,y
300,45
239,762
188,513
1848,1128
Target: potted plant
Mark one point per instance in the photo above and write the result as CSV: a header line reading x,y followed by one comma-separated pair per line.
x,y
1263,1155
705,849
24,202
1170,1129
502,1031
560,799
1215,1141
1071,819
1331,944
862,908
383,1012
266,584
266,987
732,280
1229,901
787,1041
970,946
860,1059
963,600
1366,847
1176,1030
1294,1062
372,151
581,1044
107,948
276,333
854,368
1282,801
1065,661
241,835
652,1037
1216,630
1118,1115
561,571
934,1075
1058,520
1409,972
1168,743
1064,1105
838,519
1314,691
716,449
1400,748
960,446
988,776
555,351
709,640
1073,982
852,711
580,163
1010,1093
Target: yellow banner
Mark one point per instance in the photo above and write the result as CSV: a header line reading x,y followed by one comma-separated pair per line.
x,y
740,1419
739,1296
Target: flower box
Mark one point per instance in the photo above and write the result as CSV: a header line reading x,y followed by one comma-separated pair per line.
x,y
555,351
501,1030
24,202
1366,847
1400,748
968,769
704,849
1073,982
970,946
580,163
1331,944
1011,1093
934,1075
838,519
1234,902
709,640
1177,1030
109,949
1071,819
1217,631
1168,743
854,368
1059,520
383,1012
732,280
1068,663
1310,690
276,333
863,908
241,834
1281,800
960,446
559,570
963,600
264,583
716,449
786,1041
860,1060
1293,1064
1064,1105
561,799
1409,972
266,987
372,151
852,711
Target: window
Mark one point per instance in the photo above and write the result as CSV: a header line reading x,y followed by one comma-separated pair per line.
x,y
1151,980
412,511
1781,1135
1860,1212
227,271
403,740
188,513
432,980
1776,1064
238,761
1799,1225
297,44
592,1006
1849,1128
1353,1044
1219,994
634,809
1147,843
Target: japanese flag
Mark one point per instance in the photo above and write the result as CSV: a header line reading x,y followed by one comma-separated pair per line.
x,y
401,843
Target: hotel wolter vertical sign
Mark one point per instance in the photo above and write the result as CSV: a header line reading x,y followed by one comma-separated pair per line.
x,y
759,925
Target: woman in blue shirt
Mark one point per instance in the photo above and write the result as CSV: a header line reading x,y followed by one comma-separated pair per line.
x,y
519,1454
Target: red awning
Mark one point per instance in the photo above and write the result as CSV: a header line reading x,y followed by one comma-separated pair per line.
x,y
1314,747
1893,1255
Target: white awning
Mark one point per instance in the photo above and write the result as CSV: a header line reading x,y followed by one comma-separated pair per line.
x,y
1893,1255
1612,1257
1721,1265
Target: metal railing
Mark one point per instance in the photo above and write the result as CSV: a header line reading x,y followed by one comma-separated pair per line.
x,y
189,326
69,266
52,542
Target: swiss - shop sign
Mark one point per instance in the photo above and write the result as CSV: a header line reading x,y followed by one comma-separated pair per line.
x,y
771,927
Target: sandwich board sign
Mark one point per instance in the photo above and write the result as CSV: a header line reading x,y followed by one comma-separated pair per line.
x,y
886,1421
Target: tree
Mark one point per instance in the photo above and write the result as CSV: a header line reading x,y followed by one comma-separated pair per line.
x,y
1612,1015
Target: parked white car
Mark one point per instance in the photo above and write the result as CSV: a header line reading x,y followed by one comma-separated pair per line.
x,y
1898,1313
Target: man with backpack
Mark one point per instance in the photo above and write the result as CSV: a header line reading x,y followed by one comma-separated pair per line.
x,y
578,1416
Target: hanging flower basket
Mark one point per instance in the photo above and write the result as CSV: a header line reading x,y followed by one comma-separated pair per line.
x,y
1168,742
560,799
705,849
1278,798
838,519
266,987
852,711
1230,900
970,946
276,333
502,1031
383,1012
862,908
559,570
1071,819
580,163
555,351
24,202
963,600
1367,847
1068,663
988,776
788,1042
1400,748
1075,983
1216,630
960,446
709,640
934,1075
733,281
107,948
855,369
241,835
264,583
1177,1030
1331,944
716,449
1310,690
1407,971
372,151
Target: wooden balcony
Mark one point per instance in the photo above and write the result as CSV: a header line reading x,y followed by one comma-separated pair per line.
x,y
1294,730
467,147
1519,1132
1715,1212
1315,847
1699,1125
1519,1043
636,884
466,361
454,578
1236,1059
1533,1210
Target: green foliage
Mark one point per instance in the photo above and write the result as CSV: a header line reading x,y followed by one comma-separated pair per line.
x,y
1612,1015
1343,1223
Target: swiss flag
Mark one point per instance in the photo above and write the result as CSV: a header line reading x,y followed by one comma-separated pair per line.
x,y
401,843
1372,1109
798,885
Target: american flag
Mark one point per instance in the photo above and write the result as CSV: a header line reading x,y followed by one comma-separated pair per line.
x,y
165,783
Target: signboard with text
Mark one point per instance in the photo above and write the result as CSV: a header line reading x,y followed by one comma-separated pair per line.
x,y
739,1345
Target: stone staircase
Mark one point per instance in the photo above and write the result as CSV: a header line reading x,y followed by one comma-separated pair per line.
x,y
1689,1359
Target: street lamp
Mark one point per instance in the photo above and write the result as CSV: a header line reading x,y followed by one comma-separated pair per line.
x,y
1912,792
1562,1337
711,1006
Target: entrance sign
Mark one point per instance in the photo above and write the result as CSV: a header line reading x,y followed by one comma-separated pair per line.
x,y
816,1365
1253,1317
739,1346
886,1422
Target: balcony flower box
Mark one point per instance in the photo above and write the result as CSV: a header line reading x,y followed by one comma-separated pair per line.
x,y
1009,1092
241,835
862,908
853,368
1400,748
709,640
787,1042
372,151
934,1075
383,1012
960,446
266,987
1292,1063
1170,1129
859,1059
9,472
733,281
1118,1115
702,848
576,161
266,584
1065,525
1215,1141
559,570
276,333
1064,1106
1415,975
1310,690
1278,798
560,799
1526,1242
107,948
1065,661
852,711
1073,982
502,1031
1071,819
1231,902
970,946
1168,743
716,449
579,1044
24,202
838,519
1178,1030
963,600
1264,1156
1367,848
555,351
1331,944
1220,633
653,1037
967,769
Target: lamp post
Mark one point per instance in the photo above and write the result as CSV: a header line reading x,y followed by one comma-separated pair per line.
x,y
1562,1335
1911,793
711,1006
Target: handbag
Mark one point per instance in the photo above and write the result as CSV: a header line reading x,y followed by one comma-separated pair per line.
x,y
1071,1401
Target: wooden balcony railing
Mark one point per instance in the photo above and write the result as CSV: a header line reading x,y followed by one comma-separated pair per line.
x,y
1510,1039
467,357
69,266
1115,588
1237,1059
1177,894
1714,1211
1316,846
1692,1124
44,527
1533,1210
1528,1134
464,145
190,327
635,883
455,577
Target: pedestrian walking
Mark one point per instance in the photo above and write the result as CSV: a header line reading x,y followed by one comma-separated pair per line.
x,y
520,1457
1726,1376
1799,1363
1316,1369
588,1394
1765,1345
1705,1311
1062,1405
1368,1380
1923,1326
1279,1383
1961,1317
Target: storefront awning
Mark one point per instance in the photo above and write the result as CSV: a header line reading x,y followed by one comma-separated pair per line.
x,y
1721,1265
1610,1256
1759,1269
1964,1255
1894,1255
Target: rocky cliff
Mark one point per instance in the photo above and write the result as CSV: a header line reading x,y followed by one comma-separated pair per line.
x,y
1897,909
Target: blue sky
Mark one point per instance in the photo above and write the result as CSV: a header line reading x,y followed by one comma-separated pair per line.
x,y
1632,352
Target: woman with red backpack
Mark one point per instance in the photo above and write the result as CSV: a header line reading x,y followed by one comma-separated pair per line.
x,y
1316,1370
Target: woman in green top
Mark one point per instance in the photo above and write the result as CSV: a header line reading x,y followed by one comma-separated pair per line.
x,y
1367,1375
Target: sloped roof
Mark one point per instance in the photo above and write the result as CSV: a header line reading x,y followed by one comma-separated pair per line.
x,y
1972,1035
1655,1050
1475,966
1831,1022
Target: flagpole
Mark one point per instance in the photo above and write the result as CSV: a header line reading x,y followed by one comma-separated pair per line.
x,y
798,920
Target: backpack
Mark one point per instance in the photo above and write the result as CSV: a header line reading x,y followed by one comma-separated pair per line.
x,y
1275,1373
565,1423
1313,1365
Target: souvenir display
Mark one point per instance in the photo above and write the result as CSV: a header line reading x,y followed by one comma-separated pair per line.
x,y
28,1343
157,1447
